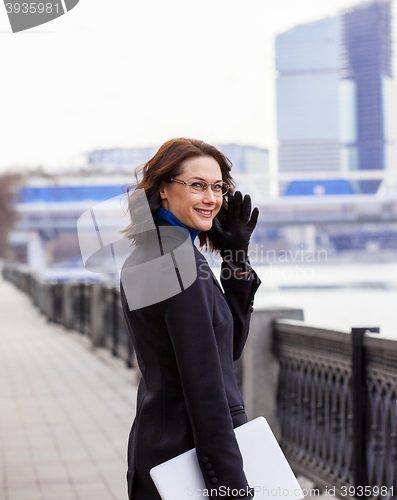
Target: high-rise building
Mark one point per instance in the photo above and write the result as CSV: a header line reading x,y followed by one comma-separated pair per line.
x,y
335,93
308,62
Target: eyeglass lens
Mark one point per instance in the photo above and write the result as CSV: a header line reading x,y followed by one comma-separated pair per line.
x,y
218,189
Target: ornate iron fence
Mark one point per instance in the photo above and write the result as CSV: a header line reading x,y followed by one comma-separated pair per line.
x,y
337,404
381,383
74,305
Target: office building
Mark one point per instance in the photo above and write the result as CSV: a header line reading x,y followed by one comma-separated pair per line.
x,y
336,94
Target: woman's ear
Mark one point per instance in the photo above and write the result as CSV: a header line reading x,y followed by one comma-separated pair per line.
x,y
163,190
164,195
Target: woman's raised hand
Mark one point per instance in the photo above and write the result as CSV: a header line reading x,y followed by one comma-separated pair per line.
x,y
232,236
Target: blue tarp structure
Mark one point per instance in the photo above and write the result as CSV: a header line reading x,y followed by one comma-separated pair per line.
x,y
67,193
319,188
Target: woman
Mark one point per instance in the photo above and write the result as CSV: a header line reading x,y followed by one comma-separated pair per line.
x,y
186,344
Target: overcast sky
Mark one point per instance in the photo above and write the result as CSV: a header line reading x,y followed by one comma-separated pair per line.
x,y
125,73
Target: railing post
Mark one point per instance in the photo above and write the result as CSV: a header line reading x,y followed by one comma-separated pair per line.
x,y
115,322
359,399
261,366
81,306
97,316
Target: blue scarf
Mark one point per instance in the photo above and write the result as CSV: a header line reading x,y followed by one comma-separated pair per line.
x,y
164,214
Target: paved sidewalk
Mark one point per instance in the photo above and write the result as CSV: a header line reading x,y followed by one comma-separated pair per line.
x,y
65,411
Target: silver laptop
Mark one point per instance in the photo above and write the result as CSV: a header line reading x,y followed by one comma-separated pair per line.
x,y
265,466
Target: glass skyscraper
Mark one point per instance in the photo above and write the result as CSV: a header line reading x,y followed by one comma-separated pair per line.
x,y
335,93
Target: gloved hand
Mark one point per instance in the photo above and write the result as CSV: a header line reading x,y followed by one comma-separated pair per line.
x,y
232,236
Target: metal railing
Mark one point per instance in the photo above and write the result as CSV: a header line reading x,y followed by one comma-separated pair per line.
x,y
91,308
337,406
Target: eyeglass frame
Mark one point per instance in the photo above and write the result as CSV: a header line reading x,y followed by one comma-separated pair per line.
x,y
185,183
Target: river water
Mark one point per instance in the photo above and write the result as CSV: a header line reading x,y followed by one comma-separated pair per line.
x,y
334,295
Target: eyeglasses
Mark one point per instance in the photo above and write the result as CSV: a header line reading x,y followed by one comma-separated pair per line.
x,y
199,187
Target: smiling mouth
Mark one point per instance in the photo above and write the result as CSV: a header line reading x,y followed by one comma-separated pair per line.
x,y
204,213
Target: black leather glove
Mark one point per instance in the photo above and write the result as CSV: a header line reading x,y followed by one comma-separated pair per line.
x,y
232,236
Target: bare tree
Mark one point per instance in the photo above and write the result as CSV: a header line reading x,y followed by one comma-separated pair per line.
x,y
8,213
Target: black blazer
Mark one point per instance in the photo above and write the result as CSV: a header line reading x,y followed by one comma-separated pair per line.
x,y
188,396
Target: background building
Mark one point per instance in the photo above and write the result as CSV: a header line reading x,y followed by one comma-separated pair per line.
x,y
245,159
250,164
308,62
336,94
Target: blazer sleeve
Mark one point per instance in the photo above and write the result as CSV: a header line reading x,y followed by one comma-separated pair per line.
x,y
188,316
239,293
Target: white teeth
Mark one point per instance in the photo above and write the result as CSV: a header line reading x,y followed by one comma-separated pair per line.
x,y
206,212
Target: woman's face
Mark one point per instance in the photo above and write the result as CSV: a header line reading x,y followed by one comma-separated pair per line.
x,y
192,209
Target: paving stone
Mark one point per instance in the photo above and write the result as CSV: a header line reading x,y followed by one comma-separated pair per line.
x,y
66,410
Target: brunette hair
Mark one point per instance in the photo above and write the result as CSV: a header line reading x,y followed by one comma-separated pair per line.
x,y
166,164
